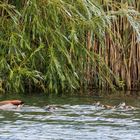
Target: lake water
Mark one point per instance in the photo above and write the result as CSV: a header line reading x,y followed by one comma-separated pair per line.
x,y
75,118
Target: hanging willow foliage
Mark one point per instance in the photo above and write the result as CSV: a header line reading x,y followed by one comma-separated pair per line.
x,y
58,45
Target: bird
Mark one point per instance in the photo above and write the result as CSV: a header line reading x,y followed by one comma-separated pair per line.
x,y
50,108
11,104
120,106
124,106
53,107
98,104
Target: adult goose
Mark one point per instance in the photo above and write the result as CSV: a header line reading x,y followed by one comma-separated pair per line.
x,y
10,104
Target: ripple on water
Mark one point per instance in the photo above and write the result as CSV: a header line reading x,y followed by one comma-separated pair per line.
x,y
70,122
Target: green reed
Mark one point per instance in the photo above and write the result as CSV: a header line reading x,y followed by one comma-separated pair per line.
x,y
60,45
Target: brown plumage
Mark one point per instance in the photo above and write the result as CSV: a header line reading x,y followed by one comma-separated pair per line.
x,y
13,102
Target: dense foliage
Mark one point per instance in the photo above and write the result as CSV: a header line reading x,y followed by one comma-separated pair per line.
x,y
58,45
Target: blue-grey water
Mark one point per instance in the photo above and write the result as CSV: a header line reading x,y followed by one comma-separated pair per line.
x,y
74,118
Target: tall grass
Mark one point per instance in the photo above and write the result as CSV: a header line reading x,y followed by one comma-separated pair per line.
x,y
59,45
123,46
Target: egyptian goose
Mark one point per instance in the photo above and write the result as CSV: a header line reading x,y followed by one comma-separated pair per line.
x,y
10,104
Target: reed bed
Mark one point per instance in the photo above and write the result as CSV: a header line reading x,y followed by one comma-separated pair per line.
x,y
65,45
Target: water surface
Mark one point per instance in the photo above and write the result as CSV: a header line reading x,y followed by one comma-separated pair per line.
x,y
75,118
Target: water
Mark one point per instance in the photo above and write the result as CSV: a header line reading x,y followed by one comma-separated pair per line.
x,y
74,118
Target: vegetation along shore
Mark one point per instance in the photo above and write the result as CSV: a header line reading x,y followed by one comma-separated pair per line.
x,y
59,45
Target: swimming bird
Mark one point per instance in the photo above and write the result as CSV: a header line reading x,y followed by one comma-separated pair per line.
x,y
53,107
98,104
10,104
50,108
120,106
124,106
